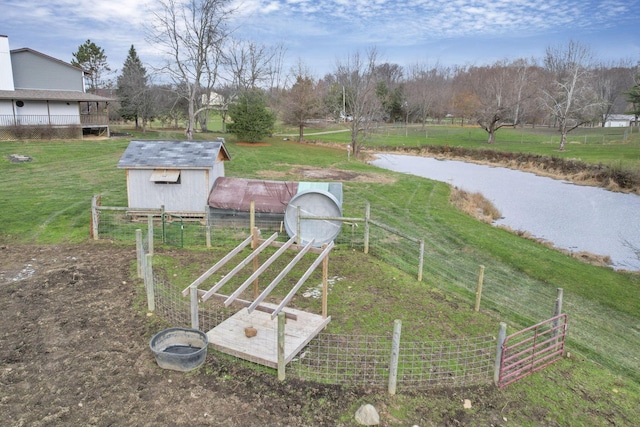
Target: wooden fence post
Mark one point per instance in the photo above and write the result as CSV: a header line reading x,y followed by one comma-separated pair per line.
x,y
208,236
95,217
252,214
195,321
150,233
367,216
325,284
298,226
421,261
557,312
281,364
395,355
558,305
479,288
139,259
502,335
148,281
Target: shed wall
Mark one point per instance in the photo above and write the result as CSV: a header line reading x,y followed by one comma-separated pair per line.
x,y
188,196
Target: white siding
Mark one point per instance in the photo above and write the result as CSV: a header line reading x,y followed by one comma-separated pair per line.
x,y
6,108
190,195
6,72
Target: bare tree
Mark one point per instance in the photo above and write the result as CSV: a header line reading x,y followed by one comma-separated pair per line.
x,y
425,91
252,65
610,82
191,34
500,90
570,98
358,79
303,101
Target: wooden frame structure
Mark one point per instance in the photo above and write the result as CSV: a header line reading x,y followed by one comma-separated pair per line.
x,y
301,327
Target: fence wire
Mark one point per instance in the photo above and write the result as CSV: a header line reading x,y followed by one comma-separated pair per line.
x,y
518,299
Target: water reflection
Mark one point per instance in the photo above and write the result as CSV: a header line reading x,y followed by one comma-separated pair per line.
x,y
573,217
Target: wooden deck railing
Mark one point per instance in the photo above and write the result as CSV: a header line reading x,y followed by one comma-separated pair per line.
x,y
86,120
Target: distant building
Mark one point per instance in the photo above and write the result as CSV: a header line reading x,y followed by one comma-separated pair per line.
x,y
619,121
43,98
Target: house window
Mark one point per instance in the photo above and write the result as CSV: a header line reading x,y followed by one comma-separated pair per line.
x,y
165,176
19,103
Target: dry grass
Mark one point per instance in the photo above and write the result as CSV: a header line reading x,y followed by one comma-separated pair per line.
x,y
475,204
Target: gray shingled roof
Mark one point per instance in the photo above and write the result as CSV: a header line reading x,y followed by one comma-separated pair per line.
x,y
172,154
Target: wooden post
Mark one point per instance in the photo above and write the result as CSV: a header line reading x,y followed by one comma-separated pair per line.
x,y
395,355
502,334
95,218
421,261
162,221
558,305
367,216
479,288
208,236
281,364
195,321
252,215
557,312
325,284
139,259
150,233
298,240
148,281
256,263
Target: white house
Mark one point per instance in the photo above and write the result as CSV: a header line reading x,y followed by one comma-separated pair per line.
x,y
619,120
42,97
175,174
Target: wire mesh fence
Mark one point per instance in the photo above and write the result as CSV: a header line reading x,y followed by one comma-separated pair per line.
x,y
518,298
355,360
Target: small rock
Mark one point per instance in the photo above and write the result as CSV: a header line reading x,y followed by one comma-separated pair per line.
x,y
250,332
467,404
367,415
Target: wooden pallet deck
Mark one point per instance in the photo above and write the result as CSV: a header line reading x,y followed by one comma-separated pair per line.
x,y
229,337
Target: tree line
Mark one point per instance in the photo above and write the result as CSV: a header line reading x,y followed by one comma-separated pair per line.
x,y
206,68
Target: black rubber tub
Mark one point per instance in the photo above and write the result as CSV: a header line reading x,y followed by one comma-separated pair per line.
x,y
179,349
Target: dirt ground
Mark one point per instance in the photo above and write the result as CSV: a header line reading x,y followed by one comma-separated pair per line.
x,y
74,351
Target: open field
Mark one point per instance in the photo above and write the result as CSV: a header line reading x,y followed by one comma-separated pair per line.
x,y
46,202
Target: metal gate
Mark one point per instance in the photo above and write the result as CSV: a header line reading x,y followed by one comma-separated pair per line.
x,y
531,349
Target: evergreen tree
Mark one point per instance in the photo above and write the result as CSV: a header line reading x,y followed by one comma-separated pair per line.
x,y
93,60
133,90
252,120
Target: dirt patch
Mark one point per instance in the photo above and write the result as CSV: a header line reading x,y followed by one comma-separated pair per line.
x,y
309,173
74,351
253,144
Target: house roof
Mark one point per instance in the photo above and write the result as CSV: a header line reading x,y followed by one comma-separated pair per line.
x,y
51,95
172,154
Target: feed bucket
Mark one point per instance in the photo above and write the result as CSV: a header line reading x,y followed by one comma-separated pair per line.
x,y
179,349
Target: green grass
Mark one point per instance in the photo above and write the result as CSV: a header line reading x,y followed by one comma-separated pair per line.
x,y
615,146
48,201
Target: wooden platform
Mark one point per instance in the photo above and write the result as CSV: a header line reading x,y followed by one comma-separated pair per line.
x,y
229,337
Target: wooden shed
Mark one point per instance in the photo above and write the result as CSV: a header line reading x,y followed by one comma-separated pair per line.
x,y
175,174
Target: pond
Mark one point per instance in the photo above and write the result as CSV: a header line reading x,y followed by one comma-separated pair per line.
x,y
573,217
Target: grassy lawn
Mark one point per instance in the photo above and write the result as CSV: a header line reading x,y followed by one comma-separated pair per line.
x,y
48,200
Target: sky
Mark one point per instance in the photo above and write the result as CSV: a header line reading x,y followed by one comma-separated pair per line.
x,y
321,33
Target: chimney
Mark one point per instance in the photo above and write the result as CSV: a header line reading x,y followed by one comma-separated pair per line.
x,y
6,71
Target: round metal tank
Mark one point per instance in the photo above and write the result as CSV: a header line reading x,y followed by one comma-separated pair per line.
x,y
179,349
318,203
